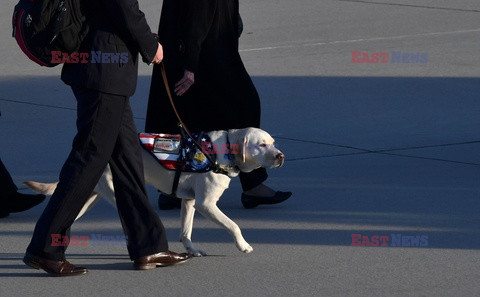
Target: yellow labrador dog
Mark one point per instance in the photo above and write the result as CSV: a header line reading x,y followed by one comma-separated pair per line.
x,y
198,191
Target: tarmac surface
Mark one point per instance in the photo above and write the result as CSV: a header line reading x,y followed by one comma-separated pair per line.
x,y
384,150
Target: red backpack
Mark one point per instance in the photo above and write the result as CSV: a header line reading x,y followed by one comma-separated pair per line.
x,y
43,26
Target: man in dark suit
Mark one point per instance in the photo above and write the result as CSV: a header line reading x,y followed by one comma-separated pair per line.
x,y
106,135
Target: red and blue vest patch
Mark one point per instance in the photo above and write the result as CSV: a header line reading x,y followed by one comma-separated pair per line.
x,y
173,150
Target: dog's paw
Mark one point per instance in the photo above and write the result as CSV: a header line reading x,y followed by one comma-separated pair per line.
x,y
196,253
191,250
244,247
248,249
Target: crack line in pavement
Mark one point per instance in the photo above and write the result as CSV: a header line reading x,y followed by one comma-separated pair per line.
x,y
362,150
412,5
382,152
358,40
379,151
37,104
49,106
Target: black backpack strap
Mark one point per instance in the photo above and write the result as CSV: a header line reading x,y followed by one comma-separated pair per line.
x,y
179,165
176,179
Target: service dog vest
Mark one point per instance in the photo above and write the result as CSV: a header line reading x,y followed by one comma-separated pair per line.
x,y
173,151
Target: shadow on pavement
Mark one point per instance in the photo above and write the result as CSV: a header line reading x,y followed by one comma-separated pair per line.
x,y
334,197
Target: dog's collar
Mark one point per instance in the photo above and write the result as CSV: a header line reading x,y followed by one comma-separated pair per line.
x,y
229,170
229,156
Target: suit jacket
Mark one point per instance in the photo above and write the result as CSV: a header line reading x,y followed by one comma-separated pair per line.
x,y
119,31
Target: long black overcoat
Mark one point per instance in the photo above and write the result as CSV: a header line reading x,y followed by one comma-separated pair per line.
x,y
202,36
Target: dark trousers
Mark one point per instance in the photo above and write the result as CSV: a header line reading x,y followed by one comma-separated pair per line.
x,y
7,186
252,179
106,135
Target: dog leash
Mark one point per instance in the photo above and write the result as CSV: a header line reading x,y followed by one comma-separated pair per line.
x,y
169,93
216,167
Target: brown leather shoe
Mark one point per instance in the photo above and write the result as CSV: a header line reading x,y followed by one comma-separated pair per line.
x,y
55,268
160,259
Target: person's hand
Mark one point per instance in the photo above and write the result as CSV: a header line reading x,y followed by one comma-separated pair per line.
x,y
159,55
185,83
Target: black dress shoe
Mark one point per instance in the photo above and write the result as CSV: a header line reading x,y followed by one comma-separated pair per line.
x,y
251,201
55,268
160,259
19,202
166,202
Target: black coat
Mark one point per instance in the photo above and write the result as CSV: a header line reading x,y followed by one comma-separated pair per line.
x,y
202,36
113,32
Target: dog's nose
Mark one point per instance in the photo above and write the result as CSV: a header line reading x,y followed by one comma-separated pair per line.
x,y
280,156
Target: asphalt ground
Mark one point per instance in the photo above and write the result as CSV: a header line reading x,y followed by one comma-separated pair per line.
x,y
384,150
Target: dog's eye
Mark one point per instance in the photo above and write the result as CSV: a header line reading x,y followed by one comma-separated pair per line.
x,y
263,145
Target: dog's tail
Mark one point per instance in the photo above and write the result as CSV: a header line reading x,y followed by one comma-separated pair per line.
x,y
42,188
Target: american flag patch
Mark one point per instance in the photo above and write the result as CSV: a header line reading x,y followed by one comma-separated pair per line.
x,y
170,149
